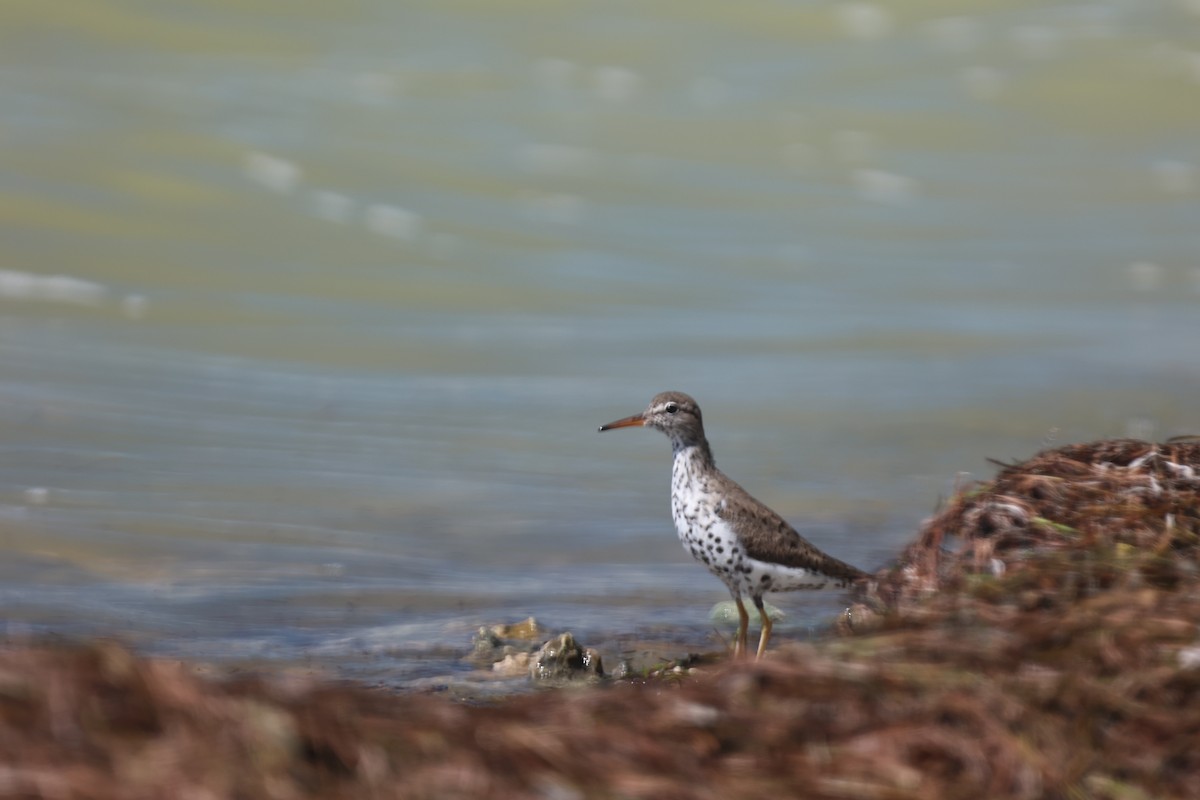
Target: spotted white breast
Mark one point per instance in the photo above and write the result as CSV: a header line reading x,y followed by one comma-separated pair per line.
x,y
695,508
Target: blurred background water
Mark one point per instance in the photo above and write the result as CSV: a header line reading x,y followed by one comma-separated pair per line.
x,y
309,311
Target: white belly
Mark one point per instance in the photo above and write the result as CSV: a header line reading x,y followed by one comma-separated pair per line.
x,y
766,577
713,543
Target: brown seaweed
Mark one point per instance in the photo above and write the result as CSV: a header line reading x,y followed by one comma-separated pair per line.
x,y
1040,638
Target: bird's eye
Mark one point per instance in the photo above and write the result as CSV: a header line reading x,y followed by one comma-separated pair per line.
x,y
670,408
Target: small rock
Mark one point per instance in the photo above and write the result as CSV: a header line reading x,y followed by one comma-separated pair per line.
x,y
726,613
527,629
562,658
655,661
858,618
513,665
487,648
493,643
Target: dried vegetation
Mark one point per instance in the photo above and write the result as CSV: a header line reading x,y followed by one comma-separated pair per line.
x,y
1071,520
1039,639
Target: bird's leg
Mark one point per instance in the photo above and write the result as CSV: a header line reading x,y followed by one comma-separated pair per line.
x,y
739,645
766,627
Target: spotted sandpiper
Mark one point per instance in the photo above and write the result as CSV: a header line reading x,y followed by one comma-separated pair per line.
x,y
741,541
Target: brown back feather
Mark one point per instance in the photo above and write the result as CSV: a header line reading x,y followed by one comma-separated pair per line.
x,y
768,537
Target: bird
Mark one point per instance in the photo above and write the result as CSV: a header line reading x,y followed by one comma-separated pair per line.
x,y
752,549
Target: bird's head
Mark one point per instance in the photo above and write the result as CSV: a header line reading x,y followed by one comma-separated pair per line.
x,y
674,413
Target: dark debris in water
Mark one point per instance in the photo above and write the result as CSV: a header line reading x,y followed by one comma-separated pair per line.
x,y
1052,651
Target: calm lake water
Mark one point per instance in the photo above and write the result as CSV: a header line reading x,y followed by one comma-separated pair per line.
x,y
309,311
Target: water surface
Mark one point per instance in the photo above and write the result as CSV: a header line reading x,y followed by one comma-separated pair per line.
x,y
308,315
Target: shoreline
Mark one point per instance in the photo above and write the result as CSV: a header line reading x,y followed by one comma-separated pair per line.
x,y
1038,638
968,697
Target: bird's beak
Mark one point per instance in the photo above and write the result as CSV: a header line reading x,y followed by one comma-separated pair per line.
x,y
628,422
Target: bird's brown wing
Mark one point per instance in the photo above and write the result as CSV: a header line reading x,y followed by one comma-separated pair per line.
x,y
768,537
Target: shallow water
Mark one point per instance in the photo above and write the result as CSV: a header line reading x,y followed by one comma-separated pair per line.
x,y
307,319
